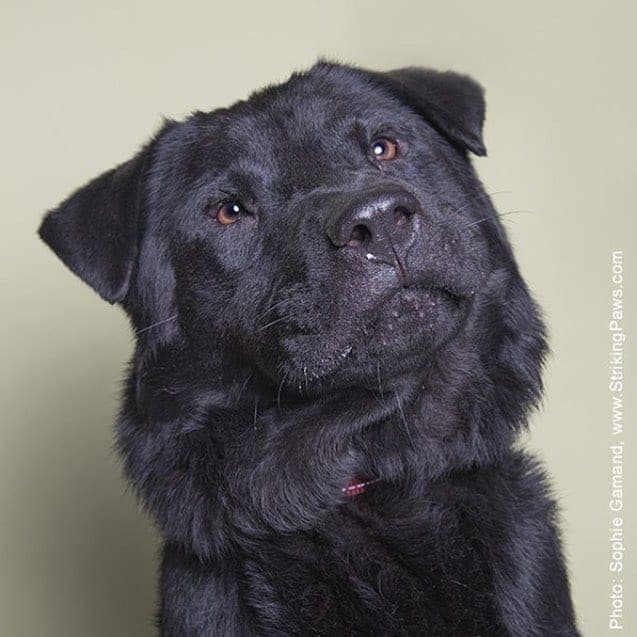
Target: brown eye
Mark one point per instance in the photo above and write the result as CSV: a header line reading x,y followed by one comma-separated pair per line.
x,y
384,149
228,212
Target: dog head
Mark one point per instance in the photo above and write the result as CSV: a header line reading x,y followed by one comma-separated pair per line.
x,y
316,231
327,235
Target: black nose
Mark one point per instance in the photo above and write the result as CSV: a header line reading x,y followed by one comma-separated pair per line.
x,y
381,224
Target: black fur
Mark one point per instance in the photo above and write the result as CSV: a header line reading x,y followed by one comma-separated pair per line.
x,y
280,357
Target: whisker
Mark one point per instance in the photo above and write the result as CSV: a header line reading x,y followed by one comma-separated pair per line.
x,y
265,327
243,386
278,395
256,407
150,327
479,196
498,214
269,303
272,307
402,416
515,212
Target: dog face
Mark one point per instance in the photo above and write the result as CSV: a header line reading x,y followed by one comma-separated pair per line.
x,y
320,289
320,233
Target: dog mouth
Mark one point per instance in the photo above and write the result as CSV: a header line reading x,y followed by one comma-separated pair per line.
x,y
424,308
409,322
430,290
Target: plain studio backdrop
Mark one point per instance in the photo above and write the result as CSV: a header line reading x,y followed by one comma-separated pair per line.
x,y
86,83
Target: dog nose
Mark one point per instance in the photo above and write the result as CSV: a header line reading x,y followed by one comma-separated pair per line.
x,y
380,225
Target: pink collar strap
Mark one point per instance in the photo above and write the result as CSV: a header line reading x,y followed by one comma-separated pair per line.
x,y
357,487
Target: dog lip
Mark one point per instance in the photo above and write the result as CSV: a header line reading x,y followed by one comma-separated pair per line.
x,y
432,285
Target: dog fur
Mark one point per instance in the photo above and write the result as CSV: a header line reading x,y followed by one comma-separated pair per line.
x,y
359,320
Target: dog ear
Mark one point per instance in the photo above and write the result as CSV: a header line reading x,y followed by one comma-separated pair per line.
x,y
452,103
94,231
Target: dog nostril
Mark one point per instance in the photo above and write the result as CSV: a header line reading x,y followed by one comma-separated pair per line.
x,y
402,215
360,235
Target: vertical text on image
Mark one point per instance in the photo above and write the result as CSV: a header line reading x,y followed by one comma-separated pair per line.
x,y
616,487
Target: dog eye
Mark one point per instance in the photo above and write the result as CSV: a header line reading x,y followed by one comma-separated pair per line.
x,y
228,212
384,149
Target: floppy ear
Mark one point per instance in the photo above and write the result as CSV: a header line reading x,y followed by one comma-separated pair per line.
x,y
94,231
452,103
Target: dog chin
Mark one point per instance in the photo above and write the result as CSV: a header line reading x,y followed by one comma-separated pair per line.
x,y
403,332
312,359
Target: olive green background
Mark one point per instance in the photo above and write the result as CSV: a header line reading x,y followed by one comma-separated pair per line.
x,y
85,83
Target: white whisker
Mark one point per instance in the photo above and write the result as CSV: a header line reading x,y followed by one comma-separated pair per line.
x,y
150,327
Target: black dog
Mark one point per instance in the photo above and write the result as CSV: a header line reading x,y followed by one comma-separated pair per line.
x,y
335,354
